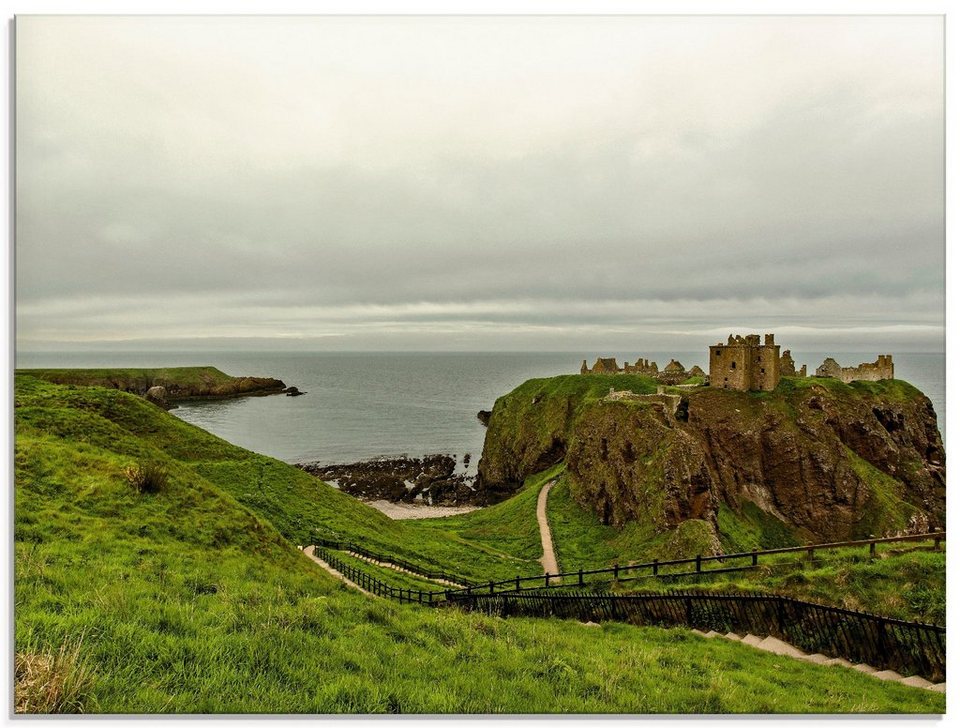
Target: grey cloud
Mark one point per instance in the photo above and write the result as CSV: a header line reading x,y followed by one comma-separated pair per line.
x,y
764,161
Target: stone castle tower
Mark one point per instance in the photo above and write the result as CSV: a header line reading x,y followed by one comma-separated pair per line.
x,y
743,363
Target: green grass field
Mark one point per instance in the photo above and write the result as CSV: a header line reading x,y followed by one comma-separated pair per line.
x,y
195,598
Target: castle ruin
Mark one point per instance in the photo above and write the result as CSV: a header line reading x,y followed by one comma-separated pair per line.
x,y
882,368
744,364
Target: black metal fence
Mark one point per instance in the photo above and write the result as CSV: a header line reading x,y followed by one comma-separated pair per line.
x,y
910,648
374,585
389,559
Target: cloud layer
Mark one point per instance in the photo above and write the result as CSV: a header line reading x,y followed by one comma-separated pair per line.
x,y
403,182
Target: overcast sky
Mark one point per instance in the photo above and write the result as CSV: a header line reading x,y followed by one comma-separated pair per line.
x,y
475,183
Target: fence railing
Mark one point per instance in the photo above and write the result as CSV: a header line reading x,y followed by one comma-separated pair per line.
x,y
910,648
389,559
699,565
376,586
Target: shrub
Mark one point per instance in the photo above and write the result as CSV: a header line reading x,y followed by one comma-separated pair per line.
x,y
147,477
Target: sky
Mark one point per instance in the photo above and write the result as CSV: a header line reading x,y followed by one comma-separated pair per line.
x,y
479,183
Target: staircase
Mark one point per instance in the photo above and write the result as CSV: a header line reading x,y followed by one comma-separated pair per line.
x,y
779,647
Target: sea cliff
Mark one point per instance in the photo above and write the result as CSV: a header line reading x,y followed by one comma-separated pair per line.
x,y
822,459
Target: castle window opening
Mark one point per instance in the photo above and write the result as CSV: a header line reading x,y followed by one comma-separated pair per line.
x,y
733,365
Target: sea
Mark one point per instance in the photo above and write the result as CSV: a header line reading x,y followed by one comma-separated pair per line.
x,y
361,406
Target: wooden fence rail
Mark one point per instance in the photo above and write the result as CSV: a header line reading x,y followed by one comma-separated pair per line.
x,y
910,648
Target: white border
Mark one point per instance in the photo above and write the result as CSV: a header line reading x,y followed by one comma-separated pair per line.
x,y
948,8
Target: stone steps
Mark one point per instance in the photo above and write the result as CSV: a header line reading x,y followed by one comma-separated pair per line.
x,y
779,647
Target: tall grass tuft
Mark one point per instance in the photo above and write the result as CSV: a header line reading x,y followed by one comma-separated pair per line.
x,y
147,477
52,682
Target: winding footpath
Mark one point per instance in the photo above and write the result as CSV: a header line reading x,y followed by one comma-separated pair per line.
x,y
549,559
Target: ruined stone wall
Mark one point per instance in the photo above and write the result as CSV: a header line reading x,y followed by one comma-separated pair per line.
x,y
606,365
787,366
882,368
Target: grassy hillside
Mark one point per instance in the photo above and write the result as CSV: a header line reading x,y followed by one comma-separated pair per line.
x,y
193,599
299,506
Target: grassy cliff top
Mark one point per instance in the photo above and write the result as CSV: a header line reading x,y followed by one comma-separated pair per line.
x,y
180,382
109,377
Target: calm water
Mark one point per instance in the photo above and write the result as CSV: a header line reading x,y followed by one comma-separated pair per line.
x,y
367,405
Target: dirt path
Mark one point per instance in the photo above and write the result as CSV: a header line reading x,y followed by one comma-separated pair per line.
x,y
308,550
549,559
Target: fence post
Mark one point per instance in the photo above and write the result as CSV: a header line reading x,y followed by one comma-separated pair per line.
x,y
810,554
546,580
491,586
936,544
655,566
753,556
698,563
873,548
616,572
518,582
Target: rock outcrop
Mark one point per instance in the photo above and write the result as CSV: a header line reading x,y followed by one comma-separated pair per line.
x,y
431,479
828,461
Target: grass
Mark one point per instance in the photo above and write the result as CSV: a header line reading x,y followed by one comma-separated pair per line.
x,y
507,531
752,529
195,599
581,540
56,424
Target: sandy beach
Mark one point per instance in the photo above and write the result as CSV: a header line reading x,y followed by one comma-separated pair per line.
x,y
405,511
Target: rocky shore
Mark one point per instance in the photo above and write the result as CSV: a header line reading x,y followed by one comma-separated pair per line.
x,y
432,480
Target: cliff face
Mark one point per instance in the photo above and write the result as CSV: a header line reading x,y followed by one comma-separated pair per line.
x,y
830,461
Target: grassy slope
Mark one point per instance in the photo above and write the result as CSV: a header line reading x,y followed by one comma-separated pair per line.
x,y
507,530
188,601
298,504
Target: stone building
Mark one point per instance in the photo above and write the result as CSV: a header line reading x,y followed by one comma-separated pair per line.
x,y
744,364
882,368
